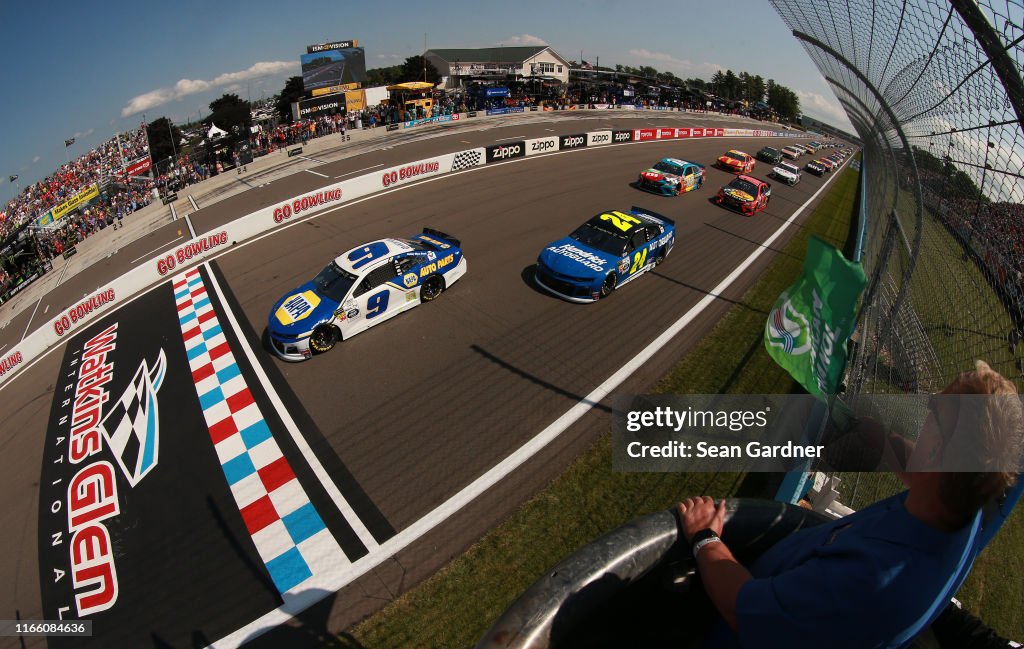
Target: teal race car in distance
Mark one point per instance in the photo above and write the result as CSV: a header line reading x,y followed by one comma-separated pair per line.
x,y
671,177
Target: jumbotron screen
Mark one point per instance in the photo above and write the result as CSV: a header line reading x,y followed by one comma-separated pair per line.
x,y
333,67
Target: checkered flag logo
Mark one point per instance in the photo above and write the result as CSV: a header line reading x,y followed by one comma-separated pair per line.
x,y
132,427
466,159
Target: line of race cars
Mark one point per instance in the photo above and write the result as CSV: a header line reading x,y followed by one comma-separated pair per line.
x,y
374,282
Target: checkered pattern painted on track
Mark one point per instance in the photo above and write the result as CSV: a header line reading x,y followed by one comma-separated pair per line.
x,y
289,534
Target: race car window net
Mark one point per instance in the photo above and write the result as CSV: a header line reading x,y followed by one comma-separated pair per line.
x,y
375,279
589,234
744,186
333,282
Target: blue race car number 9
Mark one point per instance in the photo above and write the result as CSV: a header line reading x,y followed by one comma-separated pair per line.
x,y
377,304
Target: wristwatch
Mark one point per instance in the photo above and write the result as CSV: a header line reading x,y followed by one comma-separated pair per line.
x,y
706,536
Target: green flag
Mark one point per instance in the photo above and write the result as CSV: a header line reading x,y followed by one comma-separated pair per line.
x,y
809,325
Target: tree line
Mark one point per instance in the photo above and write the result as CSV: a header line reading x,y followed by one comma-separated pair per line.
x,y
751,88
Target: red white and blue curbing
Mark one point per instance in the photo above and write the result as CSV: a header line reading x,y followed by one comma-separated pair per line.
x,y
289,534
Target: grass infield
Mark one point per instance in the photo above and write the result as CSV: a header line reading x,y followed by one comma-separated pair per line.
x,y
456,606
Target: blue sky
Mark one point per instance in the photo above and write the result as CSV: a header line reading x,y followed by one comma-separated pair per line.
x,y
89,70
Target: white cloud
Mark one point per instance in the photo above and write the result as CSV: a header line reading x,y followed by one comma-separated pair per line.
x,y
678,66
523,39
819,106
186,87
36,159
81,134
383,57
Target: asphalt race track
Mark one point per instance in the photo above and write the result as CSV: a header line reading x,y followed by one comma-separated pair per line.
x,y
375,437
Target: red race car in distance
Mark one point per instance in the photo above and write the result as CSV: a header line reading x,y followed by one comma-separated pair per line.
x,y
736,162
745,194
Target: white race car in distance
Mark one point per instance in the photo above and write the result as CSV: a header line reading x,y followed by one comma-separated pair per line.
x,y
787,173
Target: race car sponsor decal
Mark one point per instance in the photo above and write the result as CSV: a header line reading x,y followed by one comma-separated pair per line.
x,y
663,241
437,265
410,280
737,194
622,136
297,307
410,171
295,207
573,141
583,257
506,151
64,323
440,244
191,249
624,265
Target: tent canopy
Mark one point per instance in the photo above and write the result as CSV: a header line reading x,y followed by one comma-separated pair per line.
x,y
215,132
414,86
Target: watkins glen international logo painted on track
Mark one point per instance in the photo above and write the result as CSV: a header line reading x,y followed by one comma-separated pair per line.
x,y
93,430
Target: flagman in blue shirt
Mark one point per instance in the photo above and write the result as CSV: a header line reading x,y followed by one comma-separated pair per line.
x,y
879,577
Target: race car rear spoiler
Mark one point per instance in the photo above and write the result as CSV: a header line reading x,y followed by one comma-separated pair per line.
x,y
441,235
654,214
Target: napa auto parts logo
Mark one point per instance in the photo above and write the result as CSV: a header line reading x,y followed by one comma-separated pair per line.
x,y
95,433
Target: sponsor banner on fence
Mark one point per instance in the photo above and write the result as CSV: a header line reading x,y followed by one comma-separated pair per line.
x,y
645,134
597,138
505,111
622,136
191,252
330,90
416,171
506,151
318,106
542,145
355,100
430,120
45,219
81,198
139,167
576,141
666,133
80,313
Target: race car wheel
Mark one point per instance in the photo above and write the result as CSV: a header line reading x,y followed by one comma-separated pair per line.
x,y
323,339
660,258
432,288
609,285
